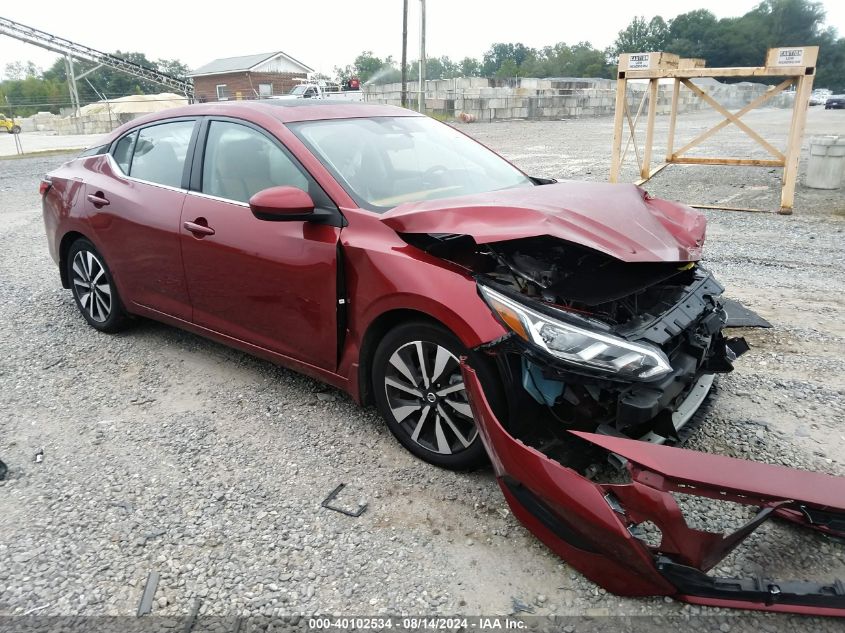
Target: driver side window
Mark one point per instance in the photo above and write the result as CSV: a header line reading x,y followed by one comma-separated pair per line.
x,y
240,161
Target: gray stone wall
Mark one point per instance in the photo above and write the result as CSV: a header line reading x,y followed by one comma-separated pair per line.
x,y
100,123
564,98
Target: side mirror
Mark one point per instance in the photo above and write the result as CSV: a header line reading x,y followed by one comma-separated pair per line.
x,y
280,204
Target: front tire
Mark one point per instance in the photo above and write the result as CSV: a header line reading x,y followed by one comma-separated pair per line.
x,y
93,288
16,129
419,391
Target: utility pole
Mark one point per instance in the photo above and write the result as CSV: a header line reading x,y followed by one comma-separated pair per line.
x,y
421,96
405,54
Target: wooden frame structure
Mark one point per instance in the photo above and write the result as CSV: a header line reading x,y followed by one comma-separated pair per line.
x,y
797,65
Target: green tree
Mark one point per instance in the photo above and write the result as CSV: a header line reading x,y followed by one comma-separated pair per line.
x,y
690,33
743,40
112,82
737,41
580,60
508,69
470,67
33,94
22,70
500,52
640,36
369,68
173,67
789,22
831,70
438,68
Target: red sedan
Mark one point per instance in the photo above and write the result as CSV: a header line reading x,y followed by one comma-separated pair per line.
x,y
375,249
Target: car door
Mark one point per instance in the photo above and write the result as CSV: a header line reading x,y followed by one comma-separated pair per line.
x,y
134,200
268,283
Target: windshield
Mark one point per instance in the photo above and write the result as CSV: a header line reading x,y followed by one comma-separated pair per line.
x,y
298,90
385,161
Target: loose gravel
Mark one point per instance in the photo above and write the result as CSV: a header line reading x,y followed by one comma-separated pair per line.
x,y
163,451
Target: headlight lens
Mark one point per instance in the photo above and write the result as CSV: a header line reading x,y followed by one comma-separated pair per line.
x,y
577,345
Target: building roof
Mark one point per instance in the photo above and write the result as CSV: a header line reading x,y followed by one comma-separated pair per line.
x,y
242,63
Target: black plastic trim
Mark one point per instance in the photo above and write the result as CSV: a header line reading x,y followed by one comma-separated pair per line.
x,y
693,582
342,299
825,518
548,517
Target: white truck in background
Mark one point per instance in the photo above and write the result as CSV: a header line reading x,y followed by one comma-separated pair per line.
x,y
311,89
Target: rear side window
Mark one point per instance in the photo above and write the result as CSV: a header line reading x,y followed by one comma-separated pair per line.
x,y
94,151
160,152
122,152
240,162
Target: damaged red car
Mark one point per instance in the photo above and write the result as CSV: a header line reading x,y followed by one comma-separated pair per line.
x,y
486,313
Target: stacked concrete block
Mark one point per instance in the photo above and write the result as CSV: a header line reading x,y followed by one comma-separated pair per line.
x,y
100,123
558,98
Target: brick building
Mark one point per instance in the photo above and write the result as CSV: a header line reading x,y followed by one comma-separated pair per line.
x,y
248,77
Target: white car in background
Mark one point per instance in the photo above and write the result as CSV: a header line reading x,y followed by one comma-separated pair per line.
x,y
820,97
310,89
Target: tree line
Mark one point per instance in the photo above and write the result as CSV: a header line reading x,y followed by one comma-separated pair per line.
x,y
502,60
736,41
30,89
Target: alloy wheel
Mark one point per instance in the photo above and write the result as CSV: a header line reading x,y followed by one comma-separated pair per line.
x,y
427,397
91,286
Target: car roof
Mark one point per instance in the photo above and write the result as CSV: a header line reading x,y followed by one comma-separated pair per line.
x,y
284,110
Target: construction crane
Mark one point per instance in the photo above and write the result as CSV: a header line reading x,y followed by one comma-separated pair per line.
x,y
71,50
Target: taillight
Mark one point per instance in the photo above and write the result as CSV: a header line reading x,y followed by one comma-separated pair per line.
x,y
44,185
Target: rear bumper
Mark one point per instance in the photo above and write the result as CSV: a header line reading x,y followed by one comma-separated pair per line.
x,y
592,525
51,225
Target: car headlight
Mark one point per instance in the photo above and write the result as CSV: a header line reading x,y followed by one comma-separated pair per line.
x,y
577,345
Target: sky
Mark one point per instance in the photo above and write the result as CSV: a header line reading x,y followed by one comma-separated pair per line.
x,y
328,33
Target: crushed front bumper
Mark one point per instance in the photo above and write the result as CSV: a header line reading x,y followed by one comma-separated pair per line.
x,y
687,326
592,525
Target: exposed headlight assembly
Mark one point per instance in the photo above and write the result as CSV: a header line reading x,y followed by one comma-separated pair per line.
x,y
577,345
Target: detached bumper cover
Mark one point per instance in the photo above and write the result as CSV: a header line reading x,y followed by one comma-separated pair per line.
x,y
590,524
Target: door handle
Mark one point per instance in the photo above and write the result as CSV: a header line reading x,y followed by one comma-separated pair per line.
x,y
98,199
198,229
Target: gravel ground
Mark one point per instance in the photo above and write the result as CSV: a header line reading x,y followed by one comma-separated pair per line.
x,y
163,451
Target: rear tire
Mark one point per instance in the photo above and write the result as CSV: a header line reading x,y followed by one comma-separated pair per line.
x,y
16,129
418,389
93,288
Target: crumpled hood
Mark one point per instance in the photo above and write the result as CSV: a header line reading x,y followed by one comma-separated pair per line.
x,y
620,220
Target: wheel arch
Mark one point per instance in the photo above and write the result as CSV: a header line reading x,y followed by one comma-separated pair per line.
x,y
392,318
64,248
376,330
